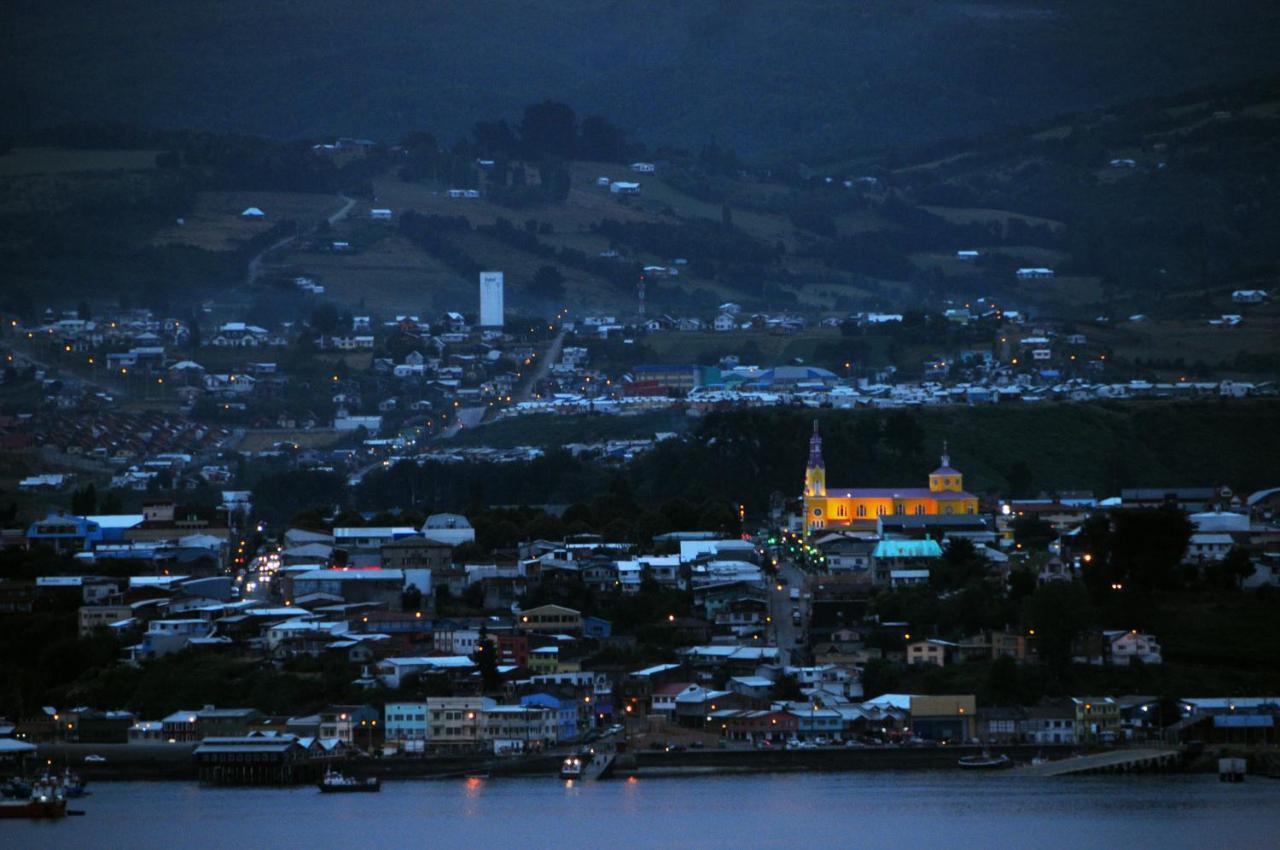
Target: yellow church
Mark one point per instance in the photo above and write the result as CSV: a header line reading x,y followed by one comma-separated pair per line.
x,y
825,508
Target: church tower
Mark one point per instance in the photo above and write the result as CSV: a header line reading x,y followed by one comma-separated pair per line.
x,y
815,471
946,479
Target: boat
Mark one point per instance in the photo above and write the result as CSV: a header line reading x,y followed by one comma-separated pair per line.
x,y
986,761
15,789
477,777
571,768
67,783
334,782
45,802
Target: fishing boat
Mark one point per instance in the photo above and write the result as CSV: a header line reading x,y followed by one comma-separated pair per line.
x,y
69,784
571,768
46,801
986,761
334,782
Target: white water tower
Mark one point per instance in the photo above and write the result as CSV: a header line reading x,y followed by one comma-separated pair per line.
x,y
491,300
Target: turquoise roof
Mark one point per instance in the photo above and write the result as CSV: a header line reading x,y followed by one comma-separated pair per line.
x,y
908,549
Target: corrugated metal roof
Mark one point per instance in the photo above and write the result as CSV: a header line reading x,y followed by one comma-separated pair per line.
x,y
1243,721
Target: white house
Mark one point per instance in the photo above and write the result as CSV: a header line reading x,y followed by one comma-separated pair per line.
x,y
1126,646
725,322
1249,296
253,213
643,167
1033,273
967,256
621,187
1208,546
380,214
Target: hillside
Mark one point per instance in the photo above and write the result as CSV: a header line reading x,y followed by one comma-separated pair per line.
x,y
743,457
802,77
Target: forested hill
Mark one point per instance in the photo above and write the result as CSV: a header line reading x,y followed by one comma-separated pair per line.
x,y
804,76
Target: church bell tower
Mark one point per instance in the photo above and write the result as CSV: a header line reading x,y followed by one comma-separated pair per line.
x,y
815,471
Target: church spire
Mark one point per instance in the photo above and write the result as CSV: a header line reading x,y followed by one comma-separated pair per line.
x,y
815,472
815,448
946,456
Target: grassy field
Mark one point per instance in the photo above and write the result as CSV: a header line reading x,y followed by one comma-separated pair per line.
x,y
961,215
768,348
1191,341
28,161
553,430
262,440
214,222
392,277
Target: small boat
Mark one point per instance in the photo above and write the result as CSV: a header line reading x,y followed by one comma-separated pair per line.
x,y
15,789
986,761
45,802
477,777
334,782
571,768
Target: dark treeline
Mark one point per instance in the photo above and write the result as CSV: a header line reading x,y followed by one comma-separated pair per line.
x,y
747,457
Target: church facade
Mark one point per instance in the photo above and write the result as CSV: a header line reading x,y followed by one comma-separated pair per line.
x,y
832,508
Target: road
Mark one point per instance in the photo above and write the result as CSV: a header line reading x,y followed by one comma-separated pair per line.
x,y
254,270
540,367
787,635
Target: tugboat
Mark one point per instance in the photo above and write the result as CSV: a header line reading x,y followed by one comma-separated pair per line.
x,y
571,768
45,801
334,782
986,761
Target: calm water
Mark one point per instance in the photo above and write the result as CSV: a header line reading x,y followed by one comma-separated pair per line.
x,y
862,810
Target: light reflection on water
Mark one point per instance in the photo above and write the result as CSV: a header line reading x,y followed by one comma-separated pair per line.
x,y
864,810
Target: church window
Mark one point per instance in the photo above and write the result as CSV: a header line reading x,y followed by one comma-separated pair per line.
x,y
919,510
817,511
880,510
969,509
948,510
899,508
862,510
840,511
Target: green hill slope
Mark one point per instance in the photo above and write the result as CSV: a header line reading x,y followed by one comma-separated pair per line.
x,y
805,75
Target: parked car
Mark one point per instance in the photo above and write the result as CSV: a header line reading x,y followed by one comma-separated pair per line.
x,y
95,759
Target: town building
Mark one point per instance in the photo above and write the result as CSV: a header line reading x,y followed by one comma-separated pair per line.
x,y
827,508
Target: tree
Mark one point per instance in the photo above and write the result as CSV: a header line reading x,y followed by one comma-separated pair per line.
x,y
548,283
866,433
1231,570
1147,545
486,658
411,598
602,141
1058,613
1019,478
84,501
1032,532
549,129
960,565
903,433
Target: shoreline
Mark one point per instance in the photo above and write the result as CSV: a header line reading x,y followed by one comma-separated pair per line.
x,y
174,762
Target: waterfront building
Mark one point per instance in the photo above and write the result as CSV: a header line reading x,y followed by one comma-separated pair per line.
x,y
1097,719
832,508
947,717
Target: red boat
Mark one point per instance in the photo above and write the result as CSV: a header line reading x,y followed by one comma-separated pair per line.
x,y
45,802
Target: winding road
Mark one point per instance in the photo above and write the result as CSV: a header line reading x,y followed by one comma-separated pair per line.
x,y
254,270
